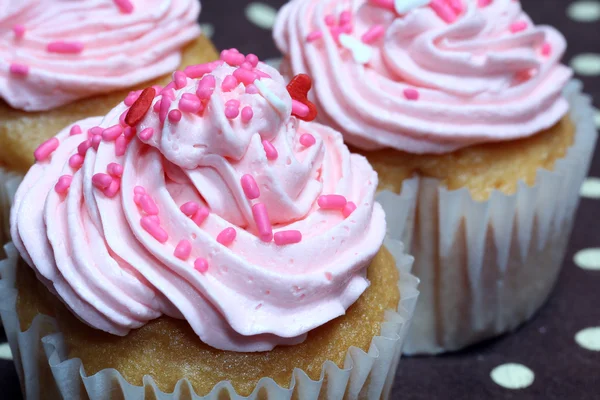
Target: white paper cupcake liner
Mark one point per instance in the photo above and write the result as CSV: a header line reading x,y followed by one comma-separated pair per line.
x,y
45,372
486,267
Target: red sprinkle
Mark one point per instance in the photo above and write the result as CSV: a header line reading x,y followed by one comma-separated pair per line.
x,y
65,47
332,202
201,265
348,209
261,218
183,250
227,236
46,149
125,6
250,187
298,88
151,226
287,237
63,184
307,140
141,106
19,69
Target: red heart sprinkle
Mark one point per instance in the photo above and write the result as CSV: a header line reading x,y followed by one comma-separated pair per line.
x,y
298,88
141,106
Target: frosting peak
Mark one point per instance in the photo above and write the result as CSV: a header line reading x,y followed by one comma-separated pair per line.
x,y
206,200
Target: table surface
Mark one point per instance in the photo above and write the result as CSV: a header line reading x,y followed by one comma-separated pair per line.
x,y
563,366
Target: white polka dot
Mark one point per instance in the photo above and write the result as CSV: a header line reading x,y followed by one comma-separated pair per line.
x,y
584,11
261,14
208,30
588,259
597,118
273,62
587,64
589,338
591,188
512,376
5,352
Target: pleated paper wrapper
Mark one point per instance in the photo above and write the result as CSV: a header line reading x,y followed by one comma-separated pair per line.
x,y
486,267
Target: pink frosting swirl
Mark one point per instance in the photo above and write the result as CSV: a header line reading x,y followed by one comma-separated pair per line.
x,y
434,78
166,218
53,53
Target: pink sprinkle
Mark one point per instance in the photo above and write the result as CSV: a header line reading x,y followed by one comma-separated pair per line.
x,y
189,208
199,70
332,202
411,94
157,88
250,187
246,65
139,190
288,237
146,134
387,4
154,229
120,146
373,34
348,209
174,116
300,109
137,198
165,104
45,149
346,28
206,87
262,74
201,265
232,103
252,59
245,76
261,217
148,205
84,146
227,236
122,118
129,132
314,35
101,181
183,250
19,69
229,83
329,20
125,6
247,114
232,112
546,49
96,140
484,3
154,218
96,130
19,31
518,26
115,169
75,161
307,140
180,79
112,190
443,10
156,106
251,89
200,216
232,57
168,91
112,133
345,17
63,184
75,130
190,103
132,97
65,47
270,150
457,5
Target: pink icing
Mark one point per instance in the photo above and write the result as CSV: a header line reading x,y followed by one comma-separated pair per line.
x,y
214,220
76,49
437,78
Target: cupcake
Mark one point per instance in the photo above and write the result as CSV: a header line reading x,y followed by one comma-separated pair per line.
x,y
201,240
479,137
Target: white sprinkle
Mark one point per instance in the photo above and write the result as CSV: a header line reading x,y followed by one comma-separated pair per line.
x,y
271,97
405,6
360,51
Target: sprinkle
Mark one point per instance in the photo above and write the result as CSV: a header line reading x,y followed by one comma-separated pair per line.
x,y
174,116
96,130
65,47
19,69
298,89
484,3
247,114
244,76
232,112
140,107
75,130
411,94
45,149
190,103
152,227
546,49
261,218
120,146
262,74
313,36
139,190
287,237
168,91
330,20
271,97
132,97
232,57
443,10
154,218
199,70
360,51
251,89
252,59
19,31
124,5
129,132
373,34
122,118
189,208
348,209
328,276
270,150
456,5
96,139
227,236
112,190
345,17
148,205
307,140
200,216
387,4
206,87
246,65
201,265
112,133
75,161
156,106
146,134
165,105
115,169
180,79
63,184
518,26
300,109
250,187
229,83
137,198
232,103
101,181
84,146
332,202
183,250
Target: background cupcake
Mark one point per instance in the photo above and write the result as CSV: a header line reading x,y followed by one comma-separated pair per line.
x,y
464,109
205,234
